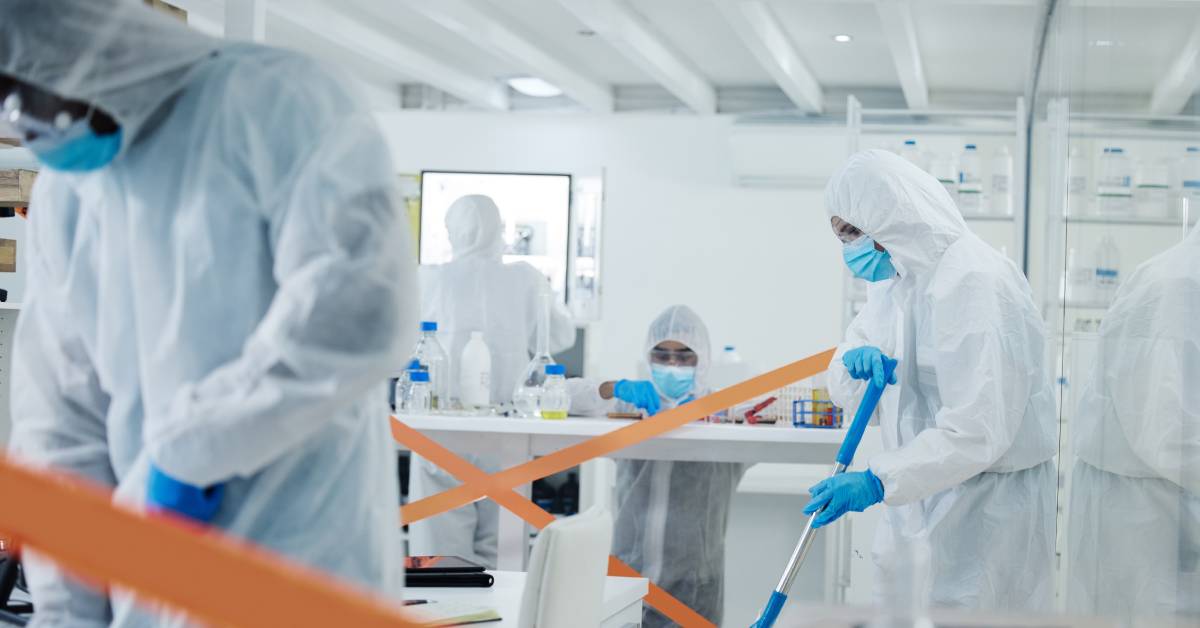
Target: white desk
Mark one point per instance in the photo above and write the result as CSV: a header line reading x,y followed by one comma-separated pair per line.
x,y
512,441
622,598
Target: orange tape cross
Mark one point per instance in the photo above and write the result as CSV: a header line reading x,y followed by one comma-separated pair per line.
x,y
214,578
500,487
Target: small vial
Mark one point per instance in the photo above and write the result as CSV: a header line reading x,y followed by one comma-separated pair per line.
x,y
419,393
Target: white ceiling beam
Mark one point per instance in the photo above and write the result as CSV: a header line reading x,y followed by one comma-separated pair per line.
x,y
246,20
480,23
629,33
901,32
1181,80
324,21
761,33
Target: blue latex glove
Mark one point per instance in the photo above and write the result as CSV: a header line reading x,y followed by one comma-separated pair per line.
x,y
866,363
164,492
643,395
855,491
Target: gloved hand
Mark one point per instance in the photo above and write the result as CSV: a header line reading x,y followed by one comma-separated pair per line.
x,y
866,363
643,395
164,492
855,491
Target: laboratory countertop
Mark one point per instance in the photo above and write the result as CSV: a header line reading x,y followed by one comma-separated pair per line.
x,y
695,441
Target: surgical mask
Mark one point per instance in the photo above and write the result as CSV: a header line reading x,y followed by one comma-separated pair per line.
x,y
867,262
673,381
67,144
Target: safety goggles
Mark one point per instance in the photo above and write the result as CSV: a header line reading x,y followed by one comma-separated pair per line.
x,y
674,357
845,231
35,113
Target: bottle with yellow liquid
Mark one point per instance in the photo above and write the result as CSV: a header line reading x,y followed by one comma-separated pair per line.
x,y
555,400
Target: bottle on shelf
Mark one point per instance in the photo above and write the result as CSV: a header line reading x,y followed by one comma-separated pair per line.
x,y
433,358
475,373
1077,283
1108,269
1152,192
1114,186
913,154
402,383
554,401
568,495
525,396
419,397
970,181
1000,193
1077,184
945,169
1189,182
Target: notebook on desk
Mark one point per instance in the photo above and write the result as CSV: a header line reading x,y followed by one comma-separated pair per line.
x,y
438,613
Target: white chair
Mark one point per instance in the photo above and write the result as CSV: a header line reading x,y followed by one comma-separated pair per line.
x,y
565,583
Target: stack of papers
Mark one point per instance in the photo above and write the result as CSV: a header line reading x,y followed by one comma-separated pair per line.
x,y
435,613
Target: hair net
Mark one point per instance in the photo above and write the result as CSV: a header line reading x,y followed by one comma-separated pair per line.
x,y
899,205
681,324
475,228
118,55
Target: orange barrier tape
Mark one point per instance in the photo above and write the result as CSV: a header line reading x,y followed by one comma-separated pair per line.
x,y
213,578
500,487
605,444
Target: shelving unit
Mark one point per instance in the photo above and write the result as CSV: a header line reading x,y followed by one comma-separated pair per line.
x,y
952,129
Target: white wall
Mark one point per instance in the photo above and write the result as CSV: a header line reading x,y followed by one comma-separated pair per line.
x,y
760,266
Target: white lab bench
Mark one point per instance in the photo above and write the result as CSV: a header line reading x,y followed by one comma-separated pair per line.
x,y
622,604
512,441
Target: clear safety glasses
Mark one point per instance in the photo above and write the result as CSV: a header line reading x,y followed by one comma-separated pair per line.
x,y
674,357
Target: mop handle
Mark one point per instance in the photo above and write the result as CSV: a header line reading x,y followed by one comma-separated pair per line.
x,y
844,457
866,408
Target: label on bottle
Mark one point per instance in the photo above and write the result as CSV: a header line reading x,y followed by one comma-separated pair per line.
x,y
1000,184
1106,277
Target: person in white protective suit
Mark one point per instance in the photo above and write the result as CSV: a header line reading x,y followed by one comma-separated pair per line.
x,y
671,516
969,429
1133,533
214,297
477,291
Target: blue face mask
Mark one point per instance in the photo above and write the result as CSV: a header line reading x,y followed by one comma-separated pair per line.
x,y
673,381
76,148
866,262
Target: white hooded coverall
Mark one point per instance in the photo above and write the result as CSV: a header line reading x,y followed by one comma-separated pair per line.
x,y
224,299
477,291
1133,533
969,431
671,515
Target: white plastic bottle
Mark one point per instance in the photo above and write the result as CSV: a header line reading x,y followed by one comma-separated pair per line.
x,y
945,169
1114,186
555,400
729,368
1108,269
1000,192
1077,184
910,152
420,394
1189,181
475,373
432,356
1077,284
970,181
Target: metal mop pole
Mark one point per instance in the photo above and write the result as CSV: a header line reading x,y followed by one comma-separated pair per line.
x,y
844,457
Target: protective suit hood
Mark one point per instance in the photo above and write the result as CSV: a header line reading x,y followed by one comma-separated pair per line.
x,y
902,207
115,54
681,324
475,227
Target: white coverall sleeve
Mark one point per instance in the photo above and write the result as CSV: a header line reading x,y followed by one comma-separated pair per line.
x,y
984,386
845,391
58,404
344,308
1152,384
586,399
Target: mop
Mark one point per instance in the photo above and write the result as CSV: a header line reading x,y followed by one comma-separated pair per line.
x,y
845,456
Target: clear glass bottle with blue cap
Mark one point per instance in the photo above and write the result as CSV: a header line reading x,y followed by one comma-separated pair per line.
x,y
419,395
432,356
555,399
